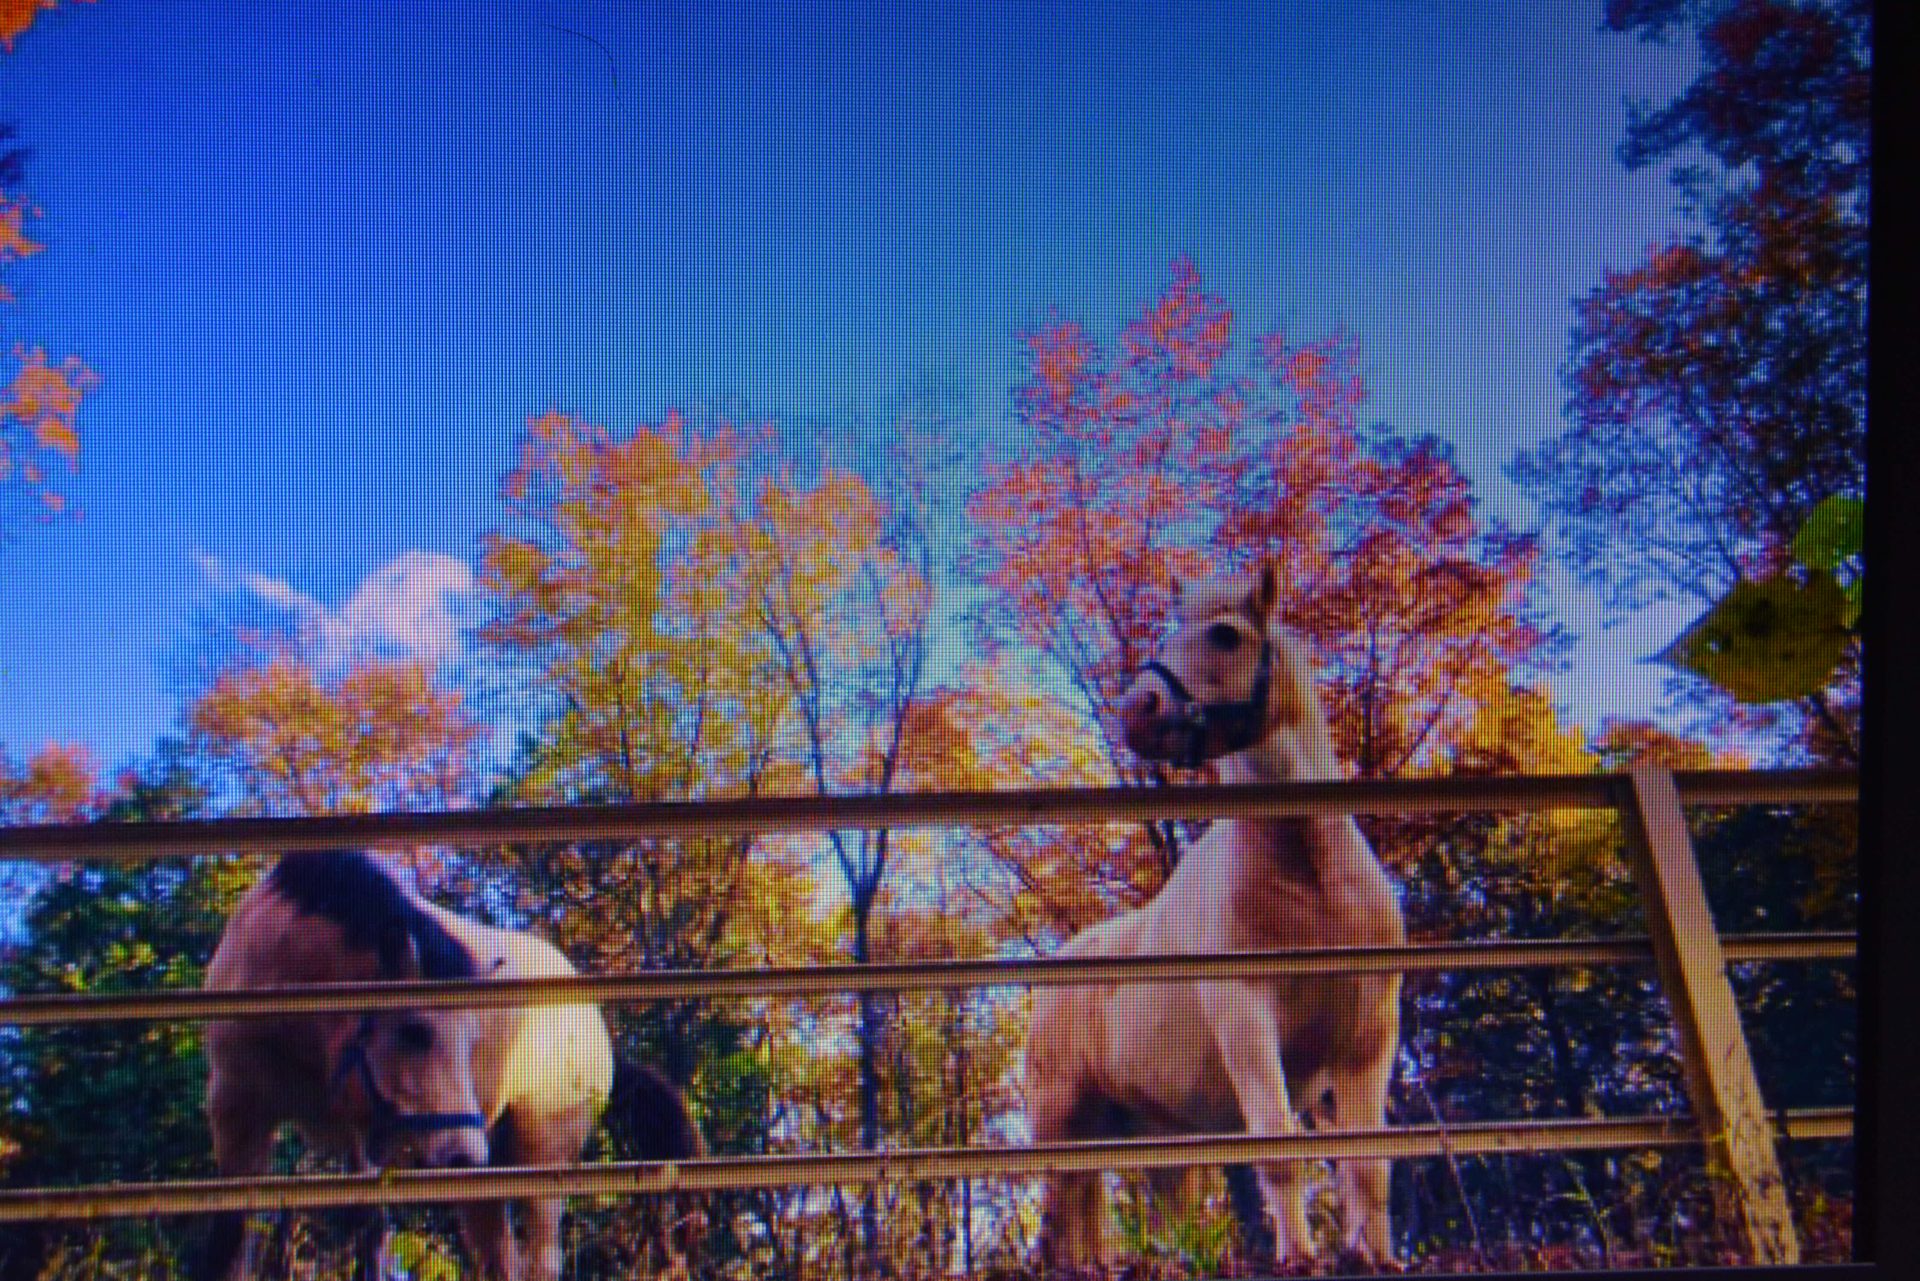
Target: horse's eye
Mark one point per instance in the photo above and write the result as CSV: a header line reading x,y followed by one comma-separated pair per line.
x,y
414,1037
1224,637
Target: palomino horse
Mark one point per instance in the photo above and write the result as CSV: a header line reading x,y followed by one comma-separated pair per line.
x,y
434,1088
1179,1057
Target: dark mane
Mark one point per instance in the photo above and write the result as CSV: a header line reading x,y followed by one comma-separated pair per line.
x,y
353,892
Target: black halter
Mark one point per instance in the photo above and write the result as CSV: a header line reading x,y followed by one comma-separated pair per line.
x,y
386,1120
1239,724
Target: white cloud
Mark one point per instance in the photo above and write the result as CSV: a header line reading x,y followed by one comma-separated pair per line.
x,y
277,591
412,605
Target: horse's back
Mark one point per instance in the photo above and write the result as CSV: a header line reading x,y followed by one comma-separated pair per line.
x,y
265,942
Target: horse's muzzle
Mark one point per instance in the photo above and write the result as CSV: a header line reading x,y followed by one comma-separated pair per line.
x,y
1159,725
455,1150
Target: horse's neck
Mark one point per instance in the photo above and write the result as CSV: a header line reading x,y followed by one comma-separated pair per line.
x,y
1316,848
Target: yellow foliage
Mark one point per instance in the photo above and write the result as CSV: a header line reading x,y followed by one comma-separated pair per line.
x,y
382,734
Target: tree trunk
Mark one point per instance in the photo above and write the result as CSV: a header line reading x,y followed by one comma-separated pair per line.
x,y
869,1034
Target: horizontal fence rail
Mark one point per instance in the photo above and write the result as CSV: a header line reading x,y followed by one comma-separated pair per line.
x,y
49,843
38,1009
640,1178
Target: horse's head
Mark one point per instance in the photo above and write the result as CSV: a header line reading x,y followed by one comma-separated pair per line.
x,y
1212,691
412,1072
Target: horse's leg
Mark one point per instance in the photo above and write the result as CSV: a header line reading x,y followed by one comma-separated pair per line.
x,y
1070,1201
488,1232
1064,1106
1073,1202
1071,1210
553,1139
1360,1102
543,1238
487,1226
1248,1038
242,1146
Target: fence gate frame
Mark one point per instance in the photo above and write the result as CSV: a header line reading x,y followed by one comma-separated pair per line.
x,y
1721,1082
1729,1114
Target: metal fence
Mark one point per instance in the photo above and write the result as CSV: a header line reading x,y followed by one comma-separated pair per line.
x,y
1728,1113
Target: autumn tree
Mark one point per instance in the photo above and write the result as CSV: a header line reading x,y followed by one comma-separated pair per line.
x,y
57,784
844,591
630,651
40,397
622,611
1717,410
99,929
1187,451
286,732
1717,388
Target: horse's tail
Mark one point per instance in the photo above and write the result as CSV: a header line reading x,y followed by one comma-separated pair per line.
x,y
649,1118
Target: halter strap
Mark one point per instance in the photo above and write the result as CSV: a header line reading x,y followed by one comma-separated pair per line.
x,y
1238,722
386,1120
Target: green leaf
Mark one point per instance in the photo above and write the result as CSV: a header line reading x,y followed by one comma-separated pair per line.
x,y
1768,641
1833,532
1854,595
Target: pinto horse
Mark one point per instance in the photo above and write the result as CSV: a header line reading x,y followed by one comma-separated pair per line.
x,y
440,1088
1186,1056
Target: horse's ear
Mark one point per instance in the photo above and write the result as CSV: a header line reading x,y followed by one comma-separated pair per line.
x,y
1265,594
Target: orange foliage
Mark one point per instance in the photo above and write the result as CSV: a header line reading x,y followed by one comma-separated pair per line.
x,y
627,597
43,399
1195,450
57,784
17,15
38,407
15,245
623,590
1636,742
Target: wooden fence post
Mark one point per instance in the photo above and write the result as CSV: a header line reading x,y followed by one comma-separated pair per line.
x,y
1693,973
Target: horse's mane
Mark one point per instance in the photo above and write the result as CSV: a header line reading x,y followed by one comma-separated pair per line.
x,y
372,911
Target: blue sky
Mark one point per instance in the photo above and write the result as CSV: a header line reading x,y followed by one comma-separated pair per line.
x,y
327,259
